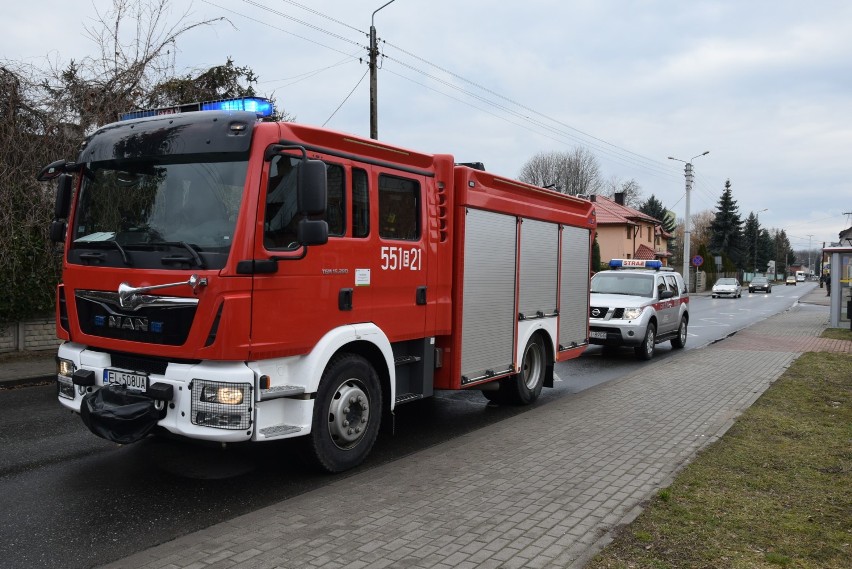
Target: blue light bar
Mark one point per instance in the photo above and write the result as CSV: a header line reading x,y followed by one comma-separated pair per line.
x,y
634,264
257,105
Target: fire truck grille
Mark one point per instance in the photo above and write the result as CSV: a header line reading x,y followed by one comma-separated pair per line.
x,y
167,325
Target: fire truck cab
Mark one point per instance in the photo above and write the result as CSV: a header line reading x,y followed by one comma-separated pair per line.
x,y
231,279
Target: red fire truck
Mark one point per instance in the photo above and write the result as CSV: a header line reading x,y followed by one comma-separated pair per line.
x,y
232,279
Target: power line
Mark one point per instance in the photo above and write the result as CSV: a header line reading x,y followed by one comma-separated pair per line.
x,y
520,105
613,151
347,97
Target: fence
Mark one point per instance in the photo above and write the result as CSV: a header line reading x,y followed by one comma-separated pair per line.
x,y
29,336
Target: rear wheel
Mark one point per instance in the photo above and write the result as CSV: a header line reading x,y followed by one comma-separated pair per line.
x,y
347,413
524,387
680,341
645,351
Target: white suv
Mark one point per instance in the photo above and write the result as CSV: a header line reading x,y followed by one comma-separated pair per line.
x,y
638,304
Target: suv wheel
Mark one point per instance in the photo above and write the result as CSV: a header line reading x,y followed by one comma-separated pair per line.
x,y
645,351
680,341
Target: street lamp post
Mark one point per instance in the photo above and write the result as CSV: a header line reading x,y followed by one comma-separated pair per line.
x,y
756,234
686,232
374,96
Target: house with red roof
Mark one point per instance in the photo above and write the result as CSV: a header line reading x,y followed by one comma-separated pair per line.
x,y
627,233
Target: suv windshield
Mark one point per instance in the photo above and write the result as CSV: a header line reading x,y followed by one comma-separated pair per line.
x,y
177,211
613,282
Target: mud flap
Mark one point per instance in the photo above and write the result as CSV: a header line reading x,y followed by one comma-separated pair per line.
x,y
118,414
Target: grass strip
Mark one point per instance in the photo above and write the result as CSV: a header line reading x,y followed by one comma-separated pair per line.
x,y
774,491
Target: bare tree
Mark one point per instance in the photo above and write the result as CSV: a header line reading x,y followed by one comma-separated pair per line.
x,y
572,173
44,114
136,49
630,188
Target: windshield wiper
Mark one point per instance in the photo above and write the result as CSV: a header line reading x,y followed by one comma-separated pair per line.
x,y
199,262
111,243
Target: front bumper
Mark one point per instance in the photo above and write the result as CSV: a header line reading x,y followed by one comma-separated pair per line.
x,y
622,333
183,414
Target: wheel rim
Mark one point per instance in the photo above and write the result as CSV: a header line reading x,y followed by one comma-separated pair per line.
x,y
649,341
533,364
683,332
349,414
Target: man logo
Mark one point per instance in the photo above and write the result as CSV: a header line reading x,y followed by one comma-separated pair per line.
x,y
128,323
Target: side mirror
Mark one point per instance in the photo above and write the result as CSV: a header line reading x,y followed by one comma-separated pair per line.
x,y
51,171
57,231
312,192
62,207
312,232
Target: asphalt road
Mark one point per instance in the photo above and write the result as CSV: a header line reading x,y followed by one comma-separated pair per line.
x,y
71,500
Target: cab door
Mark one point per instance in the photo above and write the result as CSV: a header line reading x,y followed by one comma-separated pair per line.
x,y
398,274
307,291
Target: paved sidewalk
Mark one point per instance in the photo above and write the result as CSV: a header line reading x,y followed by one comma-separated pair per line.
x,y
541,489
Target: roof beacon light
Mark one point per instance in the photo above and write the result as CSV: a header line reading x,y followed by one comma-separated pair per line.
x,y
635,264
257,105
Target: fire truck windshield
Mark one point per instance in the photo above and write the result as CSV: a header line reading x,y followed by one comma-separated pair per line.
x,y
156,213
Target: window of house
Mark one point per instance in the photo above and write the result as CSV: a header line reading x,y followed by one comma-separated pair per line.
x,y
399,208
629,232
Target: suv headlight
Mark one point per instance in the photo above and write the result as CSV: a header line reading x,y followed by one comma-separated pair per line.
x,y
632,313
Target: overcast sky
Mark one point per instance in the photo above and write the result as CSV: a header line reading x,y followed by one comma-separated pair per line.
x,y
765,86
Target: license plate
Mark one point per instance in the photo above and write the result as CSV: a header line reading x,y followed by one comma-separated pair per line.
x,y
598,335
134,381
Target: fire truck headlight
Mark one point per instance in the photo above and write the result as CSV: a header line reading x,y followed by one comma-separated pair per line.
x,y
227,395
65,368
220,404
632,313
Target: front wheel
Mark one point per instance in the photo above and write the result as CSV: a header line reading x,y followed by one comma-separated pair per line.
x,y
347,413
645,351
680,341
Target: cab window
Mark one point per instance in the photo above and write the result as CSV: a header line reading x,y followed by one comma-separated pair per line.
x,y
280,219
360,204
671,282
335,213
399,208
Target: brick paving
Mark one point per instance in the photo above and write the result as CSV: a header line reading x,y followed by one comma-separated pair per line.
x,y
541,489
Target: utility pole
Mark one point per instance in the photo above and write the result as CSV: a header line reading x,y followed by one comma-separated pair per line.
x,y
756,235
809,253
686,232
374,97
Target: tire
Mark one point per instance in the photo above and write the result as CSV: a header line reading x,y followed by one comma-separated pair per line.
x,y
712,296
347,414
680,341
645,351
525,387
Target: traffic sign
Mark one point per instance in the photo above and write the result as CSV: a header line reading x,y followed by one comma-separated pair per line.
x,y
697,261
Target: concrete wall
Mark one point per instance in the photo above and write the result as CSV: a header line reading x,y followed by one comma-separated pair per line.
x,y
29,336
